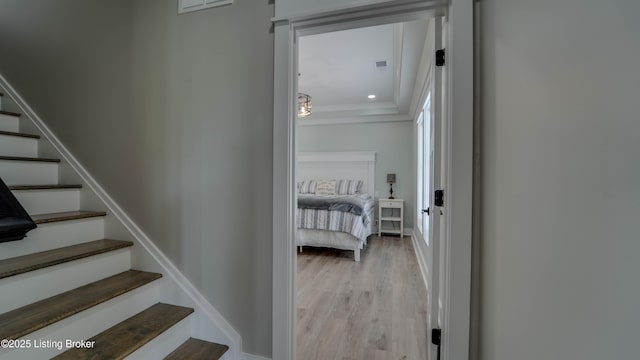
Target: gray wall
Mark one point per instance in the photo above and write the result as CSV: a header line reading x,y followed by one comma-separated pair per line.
x,y
560,179
173,116
560,131
393,143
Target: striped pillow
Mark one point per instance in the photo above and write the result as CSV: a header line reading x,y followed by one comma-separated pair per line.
x,y
307,187
349,187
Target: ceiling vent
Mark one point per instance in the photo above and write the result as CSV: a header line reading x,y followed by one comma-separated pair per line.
x,y
381,64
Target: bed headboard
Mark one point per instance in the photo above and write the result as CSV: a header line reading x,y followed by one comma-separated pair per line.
x,y
355,165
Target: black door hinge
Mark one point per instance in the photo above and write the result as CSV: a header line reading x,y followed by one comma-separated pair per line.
x,y
436,336
436,339
438,198
440,57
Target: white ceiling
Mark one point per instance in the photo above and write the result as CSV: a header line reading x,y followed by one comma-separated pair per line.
x,y
338,69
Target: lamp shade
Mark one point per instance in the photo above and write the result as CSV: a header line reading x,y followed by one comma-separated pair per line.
x,y
391,178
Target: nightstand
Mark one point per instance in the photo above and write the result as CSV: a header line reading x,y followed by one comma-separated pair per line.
x,y
391,216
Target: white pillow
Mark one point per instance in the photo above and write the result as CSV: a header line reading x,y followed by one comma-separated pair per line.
x,y
325,187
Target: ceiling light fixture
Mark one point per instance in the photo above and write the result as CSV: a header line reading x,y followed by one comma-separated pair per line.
x,y
304,105
372,96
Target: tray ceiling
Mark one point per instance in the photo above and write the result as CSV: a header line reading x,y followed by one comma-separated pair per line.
x,y
339,69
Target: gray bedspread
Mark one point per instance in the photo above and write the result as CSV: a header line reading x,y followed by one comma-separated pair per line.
x,y
351,214
347,203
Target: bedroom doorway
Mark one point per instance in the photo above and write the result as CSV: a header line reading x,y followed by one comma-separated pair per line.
x,y
363,88
454,313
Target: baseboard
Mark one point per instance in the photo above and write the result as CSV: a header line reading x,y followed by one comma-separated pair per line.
x,y
202,305
245,356
422,262
405,232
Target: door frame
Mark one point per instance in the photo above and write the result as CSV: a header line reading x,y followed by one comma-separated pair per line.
x,y
456,247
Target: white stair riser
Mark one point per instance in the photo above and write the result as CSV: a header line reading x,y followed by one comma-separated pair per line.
x,y
165,343
33,286
48,201
9,123
88,323
18,146
54,235
28,172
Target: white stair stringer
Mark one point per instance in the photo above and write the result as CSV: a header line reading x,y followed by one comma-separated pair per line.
x,y
27,288
205,323
87,323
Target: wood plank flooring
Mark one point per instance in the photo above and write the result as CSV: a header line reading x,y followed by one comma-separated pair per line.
x,y
372,309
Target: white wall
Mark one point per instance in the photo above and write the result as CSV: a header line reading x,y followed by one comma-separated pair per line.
x,y
560,179
393,143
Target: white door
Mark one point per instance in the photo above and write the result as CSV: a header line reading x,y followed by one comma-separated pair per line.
x,y
436,183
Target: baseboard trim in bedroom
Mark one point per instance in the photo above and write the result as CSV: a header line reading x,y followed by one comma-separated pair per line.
x,y
245,356
422,262
407,231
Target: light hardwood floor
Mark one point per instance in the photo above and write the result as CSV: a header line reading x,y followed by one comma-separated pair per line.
x,y
374,309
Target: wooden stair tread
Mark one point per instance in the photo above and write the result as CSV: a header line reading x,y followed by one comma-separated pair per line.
x,y
126,337
196,349
31,262
10,113
11,133
27,319
64,216
44,187
34,159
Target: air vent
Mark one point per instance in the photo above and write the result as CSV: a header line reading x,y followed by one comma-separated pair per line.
x,y
381,64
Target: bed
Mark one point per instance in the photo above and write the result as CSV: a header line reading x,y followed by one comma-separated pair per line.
x,y
335,200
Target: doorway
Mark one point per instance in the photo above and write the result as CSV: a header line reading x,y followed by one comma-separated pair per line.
x,y
365,86
456,285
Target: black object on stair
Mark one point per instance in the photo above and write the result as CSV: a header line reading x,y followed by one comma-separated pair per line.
x,y
14,220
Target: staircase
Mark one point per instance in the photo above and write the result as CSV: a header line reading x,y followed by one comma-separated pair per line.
x,y
66,292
